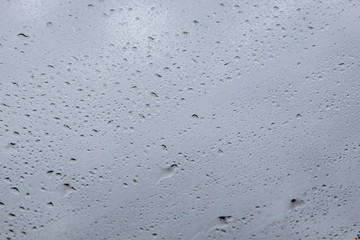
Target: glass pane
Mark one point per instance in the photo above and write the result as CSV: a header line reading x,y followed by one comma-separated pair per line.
x,y
179,119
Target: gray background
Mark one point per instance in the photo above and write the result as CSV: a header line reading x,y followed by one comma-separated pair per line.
x,y
152,119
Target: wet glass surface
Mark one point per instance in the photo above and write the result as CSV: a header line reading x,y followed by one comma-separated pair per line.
x,y
179,119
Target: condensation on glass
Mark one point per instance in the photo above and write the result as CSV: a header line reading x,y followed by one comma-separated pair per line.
x,y
179,119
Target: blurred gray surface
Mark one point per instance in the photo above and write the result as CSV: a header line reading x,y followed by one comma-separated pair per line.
x,y
179,120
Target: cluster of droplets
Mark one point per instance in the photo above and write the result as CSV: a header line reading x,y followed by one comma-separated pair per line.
x,y
103,124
